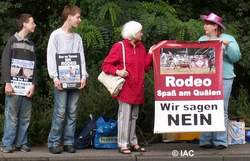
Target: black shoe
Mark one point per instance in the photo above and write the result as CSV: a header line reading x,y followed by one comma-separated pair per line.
x,y
207,146
69,148
23,148
55,150
220,147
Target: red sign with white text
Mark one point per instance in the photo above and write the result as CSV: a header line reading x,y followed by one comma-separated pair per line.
x,y
188,86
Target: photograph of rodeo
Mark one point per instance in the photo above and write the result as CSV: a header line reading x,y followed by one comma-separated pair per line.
x,y
187,60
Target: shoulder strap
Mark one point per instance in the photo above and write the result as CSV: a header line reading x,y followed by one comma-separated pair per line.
x,y
123,55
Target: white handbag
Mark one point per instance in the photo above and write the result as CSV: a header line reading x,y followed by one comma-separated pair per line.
x,y
113,83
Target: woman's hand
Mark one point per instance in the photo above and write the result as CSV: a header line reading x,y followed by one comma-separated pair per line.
x,y
225,42
151,49
122,73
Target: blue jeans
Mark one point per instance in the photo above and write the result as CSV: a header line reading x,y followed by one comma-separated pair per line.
x,y
219,138
64,117
17,119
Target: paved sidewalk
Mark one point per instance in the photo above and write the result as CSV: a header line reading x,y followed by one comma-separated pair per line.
x,y
155,152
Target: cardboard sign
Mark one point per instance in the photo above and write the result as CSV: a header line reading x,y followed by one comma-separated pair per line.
x,y
69,70
21,72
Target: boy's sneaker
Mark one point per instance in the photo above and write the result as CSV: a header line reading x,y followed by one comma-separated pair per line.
x,y
6,149
24,148
69,148
55,150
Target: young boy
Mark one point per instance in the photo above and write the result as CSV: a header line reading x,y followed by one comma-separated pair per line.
x,y
65,51
18,68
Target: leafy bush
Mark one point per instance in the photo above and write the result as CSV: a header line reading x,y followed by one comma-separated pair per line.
x,y
99,29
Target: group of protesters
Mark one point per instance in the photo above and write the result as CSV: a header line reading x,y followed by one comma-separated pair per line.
x,y
138,61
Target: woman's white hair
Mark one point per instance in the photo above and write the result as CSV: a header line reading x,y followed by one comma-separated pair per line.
x,y
129,29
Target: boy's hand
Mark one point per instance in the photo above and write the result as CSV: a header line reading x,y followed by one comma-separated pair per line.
x,y
31,91
83,84
57,84
8,89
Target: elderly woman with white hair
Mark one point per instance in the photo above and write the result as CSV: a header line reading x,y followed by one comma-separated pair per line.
x,y
138,61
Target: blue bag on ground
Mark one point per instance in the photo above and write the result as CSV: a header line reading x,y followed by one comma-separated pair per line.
x,y
106,133
84,139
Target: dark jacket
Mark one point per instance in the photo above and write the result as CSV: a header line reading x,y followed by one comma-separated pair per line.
x,y
17,49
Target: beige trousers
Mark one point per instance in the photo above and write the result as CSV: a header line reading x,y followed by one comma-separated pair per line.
x,y
127,116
